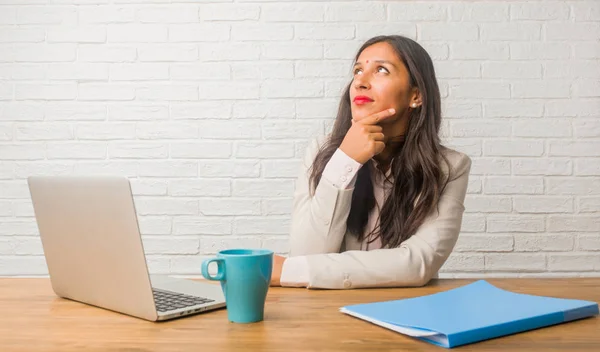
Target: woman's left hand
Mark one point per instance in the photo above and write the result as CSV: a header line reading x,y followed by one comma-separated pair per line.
x,y
277,267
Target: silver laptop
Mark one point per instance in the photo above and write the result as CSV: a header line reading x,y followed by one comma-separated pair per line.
x,y
94,251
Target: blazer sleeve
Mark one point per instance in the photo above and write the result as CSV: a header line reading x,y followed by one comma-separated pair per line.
x,y
318,221
414,262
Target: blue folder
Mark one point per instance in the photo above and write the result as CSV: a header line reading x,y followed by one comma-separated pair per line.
x,y
471,313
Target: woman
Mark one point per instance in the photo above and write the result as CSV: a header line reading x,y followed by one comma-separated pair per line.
x,y
379,201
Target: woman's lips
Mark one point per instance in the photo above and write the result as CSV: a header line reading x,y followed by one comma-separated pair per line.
x,y
361,99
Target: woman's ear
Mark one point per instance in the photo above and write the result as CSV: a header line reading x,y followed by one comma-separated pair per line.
x,y
415,98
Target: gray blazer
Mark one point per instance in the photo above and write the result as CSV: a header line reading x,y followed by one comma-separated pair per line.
x,y
335,261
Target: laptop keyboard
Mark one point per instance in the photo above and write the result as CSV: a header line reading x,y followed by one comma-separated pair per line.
x,y
167,300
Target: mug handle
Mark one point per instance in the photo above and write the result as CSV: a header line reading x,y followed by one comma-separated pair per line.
x,y
220,269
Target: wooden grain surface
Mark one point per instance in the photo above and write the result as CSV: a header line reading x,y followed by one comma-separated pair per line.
x,y
33,319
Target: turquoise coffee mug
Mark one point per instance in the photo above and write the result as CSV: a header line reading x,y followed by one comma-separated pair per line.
x,y
245,275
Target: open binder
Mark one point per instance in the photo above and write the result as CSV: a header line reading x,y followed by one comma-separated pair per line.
x,y
471,313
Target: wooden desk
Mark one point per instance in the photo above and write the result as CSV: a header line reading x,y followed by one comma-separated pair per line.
x,y
32,318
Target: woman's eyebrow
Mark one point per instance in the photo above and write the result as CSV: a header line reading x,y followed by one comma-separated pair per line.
x,y
378,61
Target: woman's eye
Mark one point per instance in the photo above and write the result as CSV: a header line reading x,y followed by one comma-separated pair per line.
x,y
357,70
382,68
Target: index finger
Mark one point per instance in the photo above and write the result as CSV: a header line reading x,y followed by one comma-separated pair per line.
x,y
375,118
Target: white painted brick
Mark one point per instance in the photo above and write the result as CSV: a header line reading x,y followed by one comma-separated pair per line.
x,y
26,169
228,90
229,168
201,110
589,204
200,150
543,204
574,148
6,91
230,12
531,128
490,166
517,147
229,51
171,92
573,223
213,32
105,53
515,223
279,244
513,108
324,31
106,14
102,92
487,204
136,33
588,243
80,72
6,209
281,168
166,206
76,34
18,227
541,89
22,35
458,69
277,206
471,147
367,30
460,109
272,108
167,52
139,72
260,71
148,187
27,111
229,206
473,223
112,167
515,262
545,242
229,129
542,166
556,31
510,31
484,243
330,68
264,150
585,11
8,15
262,188
437,51
513,185
464,263
76,150
262,32
586,50
537,11
519,70
572,186
344,50
201,71
479,89
155,225
168,168
25,72
23,208
44,131
59,91
334,88
166,245
286,51
6,132
566,70
448,31
22,151
166,130
586,88
317,109
290,130
355,12
211,245
539,50
203,188
479,51
573,262
292,12
168,14
48,15
105,131
261,226
6,170
203,225
587,167
417,12
573,107
14,190
138,112
481,128
23,265
138,149
478,11
301,88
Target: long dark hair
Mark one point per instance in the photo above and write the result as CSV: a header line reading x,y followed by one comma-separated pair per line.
x,y
418,176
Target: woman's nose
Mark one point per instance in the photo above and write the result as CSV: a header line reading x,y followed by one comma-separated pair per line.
x,y
360,82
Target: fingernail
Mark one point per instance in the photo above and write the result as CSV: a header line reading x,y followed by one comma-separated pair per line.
x,y
392,111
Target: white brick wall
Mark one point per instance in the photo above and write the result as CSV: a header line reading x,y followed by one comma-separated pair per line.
x,y
209,105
